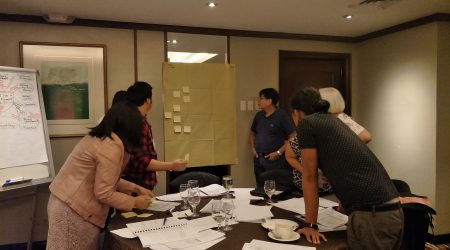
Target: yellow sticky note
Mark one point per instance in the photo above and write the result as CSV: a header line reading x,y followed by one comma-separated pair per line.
x,y
185,89
186,98
176,94
187,129
176,118
186,157
167,115
176,108
129,215
177,129
144,215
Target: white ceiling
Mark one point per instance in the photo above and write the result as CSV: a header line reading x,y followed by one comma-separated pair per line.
x,y
318,17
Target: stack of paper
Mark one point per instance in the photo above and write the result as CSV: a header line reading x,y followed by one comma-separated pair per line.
x,y
174,233
331,218
265,245
212,190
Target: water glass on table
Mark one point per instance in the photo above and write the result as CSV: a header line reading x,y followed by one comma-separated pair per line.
x,y
227,182
184,195
217,213
269,189
193,200
193,184
228,209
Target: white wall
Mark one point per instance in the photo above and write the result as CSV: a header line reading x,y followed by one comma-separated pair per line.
x,y
398,104
256,62
150,50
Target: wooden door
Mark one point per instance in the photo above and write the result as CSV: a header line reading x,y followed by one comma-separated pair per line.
x,y
313,69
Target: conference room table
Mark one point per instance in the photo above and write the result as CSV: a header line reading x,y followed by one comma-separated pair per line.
x,y
242,232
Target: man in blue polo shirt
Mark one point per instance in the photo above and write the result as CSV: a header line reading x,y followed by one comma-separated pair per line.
x,y
270,129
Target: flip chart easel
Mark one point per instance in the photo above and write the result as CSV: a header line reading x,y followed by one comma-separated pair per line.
x,y
25,152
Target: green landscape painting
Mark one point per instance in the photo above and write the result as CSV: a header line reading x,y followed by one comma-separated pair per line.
x,y
65,89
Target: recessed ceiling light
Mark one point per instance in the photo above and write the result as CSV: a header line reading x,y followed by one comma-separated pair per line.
x,y
211,4
174,41
347,16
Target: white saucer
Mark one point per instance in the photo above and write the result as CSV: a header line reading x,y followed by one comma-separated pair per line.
x,y
281,221
294,236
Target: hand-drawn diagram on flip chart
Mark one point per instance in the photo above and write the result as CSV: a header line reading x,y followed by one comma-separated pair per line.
x,y
22,126
20,121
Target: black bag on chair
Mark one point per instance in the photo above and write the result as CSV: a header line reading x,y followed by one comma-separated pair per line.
x,y
418,216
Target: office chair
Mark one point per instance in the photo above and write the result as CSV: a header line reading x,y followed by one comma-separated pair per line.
x,y
204,179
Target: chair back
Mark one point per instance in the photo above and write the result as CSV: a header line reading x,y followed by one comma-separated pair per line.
x,y
204,179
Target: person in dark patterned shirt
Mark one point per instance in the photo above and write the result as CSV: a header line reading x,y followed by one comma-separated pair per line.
x,y
358,178
143,164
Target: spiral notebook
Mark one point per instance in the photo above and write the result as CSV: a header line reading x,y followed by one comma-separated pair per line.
x,y
156,231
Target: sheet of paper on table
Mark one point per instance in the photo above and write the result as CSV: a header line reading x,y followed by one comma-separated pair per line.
x,y
206,222
250,213
331,218
162,205
201,237
265,245
201,246
212,190
327,203
169,197
296,205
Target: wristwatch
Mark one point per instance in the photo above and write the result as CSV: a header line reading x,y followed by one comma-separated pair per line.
x,y
278,152
312,225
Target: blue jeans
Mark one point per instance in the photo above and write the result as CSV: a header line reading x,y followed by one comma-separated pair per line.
x,y
262,164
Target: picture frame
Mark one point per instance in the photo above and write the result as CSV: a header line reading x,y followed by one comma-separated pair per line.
x,y
73,81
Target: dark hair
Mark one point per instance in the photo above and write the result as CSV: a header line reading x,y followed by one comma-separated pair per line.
x,y
138,93
270,93
119,96
309,101
125,121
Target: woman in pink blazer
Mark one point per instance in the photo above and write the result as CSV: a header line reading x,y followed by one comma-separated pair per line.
x,y
89,182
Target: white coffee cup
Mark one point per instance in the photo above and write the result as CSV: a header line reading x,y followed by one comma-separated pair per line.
x,y
282,230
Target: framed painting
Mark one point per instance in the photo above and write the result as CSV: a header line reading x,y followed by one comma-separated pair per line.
x,y
73,80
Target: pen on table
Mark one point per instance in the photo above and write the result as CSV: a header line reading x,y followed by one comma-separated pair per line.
x,y
204,192
168,212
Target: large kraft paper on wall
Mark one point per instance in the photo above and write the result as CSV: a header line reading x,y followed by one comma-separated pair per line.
x,y
200,113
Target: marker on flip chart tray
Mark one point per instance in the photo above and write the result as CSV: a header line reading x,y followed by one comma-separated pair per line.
x,y
16,180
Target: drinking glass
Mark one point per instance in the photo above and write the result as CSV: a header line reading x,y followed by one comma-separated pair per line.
x,y
194,200
269,188
217,213
227,182
193,184
184,195
227,208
